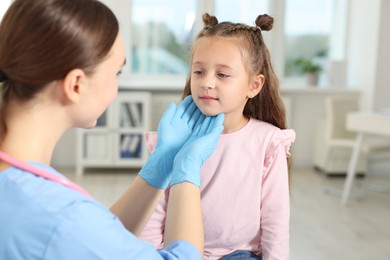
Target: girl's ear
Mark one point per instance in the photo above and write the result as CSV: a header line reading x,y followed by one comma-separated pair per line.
x,y
256,85
73,85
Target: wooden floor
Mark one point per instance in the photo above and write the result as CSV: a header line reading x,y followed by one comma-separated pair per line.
x,y
321,228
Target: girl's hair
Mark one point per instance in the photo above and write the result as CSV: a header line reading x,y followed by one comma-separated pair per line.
x,y
267,105
42,40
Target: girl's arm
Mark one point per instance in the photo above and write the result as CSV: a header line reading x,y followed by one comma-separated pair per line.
x,y
275,208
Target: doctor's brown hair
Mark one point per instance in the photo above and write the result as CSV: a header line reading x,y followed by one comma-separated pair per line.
x,y
42,40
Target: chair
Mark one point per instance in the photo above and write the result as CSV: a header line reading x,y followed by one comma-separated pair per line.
x,y
334,143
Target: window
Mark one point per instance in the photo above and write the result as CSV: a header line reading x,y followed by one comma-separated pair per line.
x,y
161,34
158,35
240,11
307,33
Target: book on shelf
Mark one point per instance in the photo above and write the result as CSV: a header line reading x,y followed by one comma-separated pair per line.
x,y
131,114
130,146
136,111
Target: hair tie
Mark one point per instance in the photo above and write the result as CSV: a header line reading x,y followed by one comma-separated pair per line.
x,y
3,77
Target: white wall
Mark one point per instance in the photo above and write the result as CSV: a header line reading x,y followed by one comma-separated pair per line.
x,y
368,52
382,81
64,153
362,47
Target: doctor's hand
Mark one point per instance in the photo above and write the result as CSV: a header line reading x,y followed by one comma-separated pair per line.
x,y
174,129
176,126
200,145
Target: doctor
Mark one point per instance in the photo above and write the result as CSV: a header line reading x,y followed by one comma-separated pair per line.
x,y
59,61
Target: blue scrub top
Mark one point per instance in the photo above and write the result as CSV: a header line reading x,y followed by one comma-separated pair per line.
x,y
41,219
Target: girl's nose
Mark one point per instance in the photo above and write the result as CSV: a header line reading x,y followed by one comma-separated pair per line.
x,y
207,84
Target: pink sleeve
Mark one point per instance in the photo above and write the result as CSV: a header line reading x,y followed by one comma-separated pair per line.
x,y
151,140
275,204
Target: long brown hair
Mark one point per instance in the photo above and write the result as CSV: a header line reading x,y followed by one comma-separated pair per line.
x,y
42,40
266,106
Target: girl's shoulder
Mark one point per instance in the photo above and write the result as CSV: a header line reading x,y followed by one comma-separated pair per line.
x,y
273,136
273,131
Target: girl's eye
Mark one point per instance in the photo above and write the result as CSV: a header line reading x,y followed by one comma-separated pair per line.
x,y
221,75
119,73
198,72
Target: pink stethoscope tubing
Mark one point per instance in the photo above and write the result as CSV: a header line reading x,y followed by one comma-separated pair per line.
x,y
42,173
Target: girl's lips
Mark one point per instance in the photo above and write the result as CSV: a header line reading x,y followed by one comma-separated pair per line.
x,y
208,98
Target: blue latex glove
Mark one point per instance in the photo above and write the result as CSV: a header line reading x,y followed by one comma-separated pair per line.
x,y
174,129
201,144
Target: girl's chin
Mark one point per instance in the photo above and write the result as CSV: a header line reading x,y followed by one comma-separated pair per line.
x,y
208,113
207,110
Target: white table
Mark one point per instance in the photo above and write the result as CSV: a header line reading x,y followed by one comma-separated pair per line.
x,y
364,123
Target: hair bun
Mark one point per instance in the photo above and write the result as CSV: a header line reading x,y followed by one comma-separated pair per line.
x,y
209,20
265,22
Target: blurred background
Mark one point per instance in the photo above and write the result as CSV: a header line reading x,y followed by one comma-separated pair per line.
x,y
322,51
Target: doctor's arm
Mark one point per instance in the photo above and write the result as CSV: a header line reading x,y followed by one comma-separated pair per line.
x,y
135,207
184,215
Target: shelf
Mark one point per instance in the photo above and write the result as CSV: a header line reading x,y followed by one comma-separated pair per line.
x,y
118,138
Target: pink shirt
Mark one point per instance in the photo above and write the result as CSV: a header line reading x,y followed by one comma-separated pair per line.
x,y
245,194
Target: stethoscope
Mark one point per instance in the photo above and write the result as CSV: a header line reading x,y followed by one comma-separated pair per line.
x,y
42,173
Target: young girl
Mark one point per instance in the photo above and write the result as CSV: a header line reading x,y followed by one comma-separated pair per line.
x,y
245,182
59,61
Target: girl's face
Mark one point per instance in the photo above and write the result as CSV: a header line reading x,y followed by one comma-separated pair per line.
x,y
220,82
103,84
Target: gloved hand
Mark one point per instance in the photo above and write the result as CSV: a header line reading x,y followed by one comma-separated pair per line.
x,y
201,144
174,129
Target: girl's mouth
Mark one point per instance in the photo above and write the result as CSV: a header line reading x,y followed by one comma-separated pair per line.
x,y
208,98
